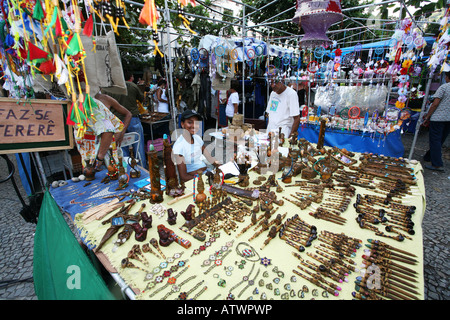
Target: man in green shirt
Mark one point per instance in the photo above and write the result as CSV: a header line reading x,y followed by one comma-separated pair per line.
x,y
129,101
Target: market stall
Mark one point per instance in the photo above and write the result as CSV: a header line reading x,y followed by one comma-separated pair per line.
x,y
268,236
330,222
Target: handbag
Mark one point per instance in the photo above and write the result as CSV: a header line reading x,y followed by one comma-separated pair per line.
x,y
103,64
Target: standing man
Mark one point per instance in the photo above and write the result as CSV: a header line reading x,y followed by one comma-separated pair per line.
x,y
129,102
439,118
283,109
232,107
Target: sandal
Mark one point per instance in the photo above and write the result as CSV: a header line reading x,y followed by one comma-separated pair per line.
x,y
99,163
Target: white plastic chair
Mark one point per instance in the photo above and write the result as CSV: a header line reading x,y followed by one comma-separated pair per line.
x,y
131,139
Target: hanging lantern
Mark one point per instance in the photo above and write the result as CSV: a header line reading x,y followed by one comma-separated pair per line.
x,y
315,17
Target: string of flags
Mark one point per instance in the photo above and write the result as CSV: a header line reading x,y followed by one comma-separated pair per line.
x,y
43,38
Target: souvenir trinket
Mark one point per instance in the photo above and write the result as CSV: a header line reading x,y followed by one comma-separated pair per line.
x,y
156,195
173,187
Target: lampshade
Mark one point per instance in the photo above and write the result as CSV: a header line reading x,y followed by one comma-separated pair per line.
x,y
315,17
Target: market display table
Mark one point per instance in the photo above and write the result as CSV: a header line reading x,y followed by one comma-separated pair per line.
x,y
238,260
356,141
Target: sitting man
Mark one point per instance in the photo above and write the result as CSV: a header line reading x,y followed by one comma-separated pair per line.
x,y
189,148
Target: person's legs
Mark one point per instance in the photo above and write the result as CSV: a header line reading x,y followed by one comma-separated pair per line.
x,y
436,137
445,132
105,143
106,139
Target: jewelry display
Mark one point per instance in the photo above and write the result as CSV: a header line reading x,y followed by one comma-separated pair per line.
x,y
184,295
249,284
247,251
200,293
244,279
177,288
171,281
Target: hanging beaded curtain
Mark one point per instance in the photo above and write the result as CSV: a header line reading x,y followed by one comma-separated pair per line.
x,y
315,17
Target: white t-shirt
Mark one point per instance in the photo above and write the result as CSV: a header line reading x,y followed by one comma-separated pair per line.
x,y
163,106
192,153
232,99
281,109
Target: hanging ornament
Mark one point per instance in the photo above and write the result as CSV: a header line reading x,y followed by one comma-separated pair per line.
x,y
181,5
315,17
149,16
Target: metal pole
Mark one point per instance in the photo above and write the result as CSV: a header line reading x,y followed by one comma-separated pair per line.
x,y
243,63
169,50
43,178
425,99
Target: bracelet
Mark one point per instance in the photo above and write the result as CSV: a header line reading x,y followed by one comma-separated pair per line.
x,y
176,288
171,281
184,295
218,262
200,292
247,253
244,279
250,283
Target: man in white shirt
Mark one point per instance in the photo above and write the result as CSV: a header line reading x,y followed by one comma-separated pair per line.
x,y
232,101
189,148
283,108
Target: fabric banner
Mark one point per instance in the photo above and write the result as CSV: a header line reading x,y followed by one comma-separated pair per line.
x,y
355,141
62,270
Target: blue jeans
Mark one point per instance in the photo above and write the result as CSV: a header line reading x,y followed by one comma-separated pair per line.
x,y
136,126
438,132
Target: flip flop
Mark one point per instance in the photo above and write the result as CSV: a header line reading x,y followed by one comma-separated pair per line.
x,y
440,169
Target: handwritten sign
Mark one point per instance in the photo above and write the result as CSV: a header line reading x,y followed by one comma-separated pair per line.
x,y
35,124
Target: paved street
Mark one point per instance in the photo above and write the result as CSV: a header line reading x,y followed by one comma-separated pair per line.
x,y
16,235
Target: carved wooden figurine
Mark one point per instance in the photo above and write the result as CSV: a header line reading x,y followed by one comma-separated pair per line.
x,y
173,188
172,217
156,194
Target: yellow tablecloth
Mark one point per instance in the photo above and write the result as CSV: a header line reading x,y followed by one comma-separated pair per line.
x,y
273,281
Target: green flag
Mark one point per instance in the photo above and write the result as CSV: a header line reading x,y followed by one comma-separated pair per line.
x,y
62,270
38,13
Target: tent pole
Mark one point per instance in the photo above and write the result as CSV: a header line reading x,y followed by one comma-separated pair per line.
x,y
425,99
243,63
169,53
